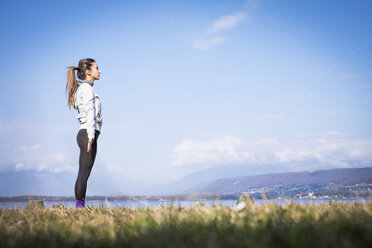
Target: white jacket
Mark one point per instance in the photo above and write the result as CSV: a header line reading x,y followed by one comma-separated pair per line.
x,y
88,104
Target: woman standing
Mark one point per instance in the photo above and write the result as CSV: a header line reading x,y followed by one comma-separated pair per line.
x,y
82,97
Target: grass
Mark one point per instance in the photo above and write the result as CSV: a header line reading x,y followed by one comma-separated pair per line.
x,y
332,224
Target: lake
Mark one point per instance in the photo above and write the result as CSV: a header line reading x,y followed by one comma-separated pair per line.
x,y
181,203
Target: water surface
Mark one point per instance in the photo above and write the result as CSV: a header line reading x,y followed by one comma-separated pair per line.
x,y
180,203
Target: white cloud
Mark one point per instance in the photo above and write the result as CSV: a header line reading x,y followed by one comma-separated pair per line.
x,y
335,133
224,150
208,43
35,166
219,25
39,157
19,166
227,22
27,167
332,149
41,167
65,168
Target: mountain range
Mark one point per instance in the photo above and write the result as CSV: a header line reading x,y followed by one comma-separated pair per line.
x,y
215,180
196,181
333,178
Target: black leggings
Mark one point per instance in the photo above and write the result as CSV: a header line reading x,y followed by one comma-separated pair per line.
x,y
86,161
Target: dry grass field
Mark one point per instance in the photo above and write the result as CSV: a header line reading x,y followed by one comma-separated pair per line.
x,y
332,224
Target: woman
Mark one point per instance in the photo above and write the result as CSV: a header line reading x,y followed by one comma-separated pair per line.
x,y
82,97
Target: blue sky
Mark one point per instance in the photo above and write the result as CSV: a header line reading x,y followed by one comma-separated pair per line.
x,y
186,86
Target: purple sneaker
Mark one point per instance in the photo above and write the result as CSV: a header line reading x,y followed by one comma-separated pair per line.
x,y
80,204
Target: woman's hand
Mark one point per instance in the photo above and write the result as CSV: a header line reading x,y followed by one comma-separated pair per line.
x,y
90,141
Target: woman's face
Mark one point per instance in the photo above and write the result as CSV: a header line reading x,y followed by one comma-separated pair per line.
x,y
94,73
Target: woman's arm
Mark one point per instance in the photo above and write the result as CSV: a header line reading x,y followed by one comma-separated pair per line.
x,y
87,98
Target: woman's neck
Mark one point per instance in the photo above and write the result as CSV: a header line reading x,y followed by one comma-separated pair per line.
x,y
90,78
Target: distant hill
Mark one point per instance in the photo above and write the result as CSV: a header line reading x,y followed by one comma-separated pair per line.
x,y
355,182
198,179
232,179
16,183
342,177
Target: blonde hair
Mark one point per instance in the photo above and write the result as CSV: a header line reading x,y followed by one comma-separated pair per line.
x,y
72,83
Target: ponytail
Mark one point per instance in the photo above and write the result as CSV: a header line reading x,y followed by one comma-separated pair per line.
x,y
71,85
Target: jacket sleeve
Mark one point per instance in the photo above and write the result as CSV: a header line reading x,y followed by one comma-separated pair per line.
x,y
87,98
